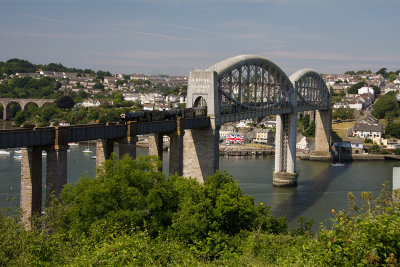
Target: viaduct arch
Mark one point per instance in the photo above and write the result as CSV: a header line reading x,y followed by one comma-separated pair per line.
x,y
5,102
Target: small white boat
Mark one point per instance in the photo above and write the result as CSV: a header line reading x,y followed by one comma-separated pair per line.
x,y
87,151
338,164
44,153
4,152
93,157
73,144
17,157
19,151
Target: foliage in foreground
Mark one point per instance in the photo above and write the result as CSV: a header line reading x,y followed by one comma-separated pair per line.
x,y
130,214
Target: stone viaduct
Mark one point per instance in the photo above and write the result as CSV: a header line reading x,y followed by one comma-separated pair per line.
x,y
5,102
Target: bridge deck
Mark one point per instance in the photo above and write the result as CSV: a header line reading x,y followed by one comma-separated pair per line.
x,y
46,136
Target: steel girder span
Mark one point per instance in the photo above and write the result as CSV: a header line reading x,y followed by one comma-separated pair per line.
x,y
311,90
251,86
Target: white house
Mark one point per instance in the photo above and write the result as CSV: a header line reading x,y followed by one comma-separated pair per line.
x,y
366,90
171,98
341,104
367,131
91,103
302,144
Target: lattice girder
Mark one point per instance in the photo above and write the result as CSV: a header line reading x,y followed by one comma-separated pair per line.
x,y
311,90
249,83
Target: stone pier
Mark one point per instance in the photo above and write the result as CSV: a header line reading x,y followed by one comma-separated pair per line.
x,y
322,136
56,170
176,149
31,184
128,144
104,149
56,163
156,145
285,151
201,150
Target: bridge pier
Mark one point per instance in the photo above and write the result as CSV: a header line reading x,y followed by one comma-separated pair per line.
x,y
31,184
156,145
104,149
176,149
322,136
56,170
201,150
285,150
127,145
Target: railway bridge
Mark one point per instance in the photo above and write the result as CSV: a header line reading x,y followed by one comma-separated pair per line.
x,y
241,87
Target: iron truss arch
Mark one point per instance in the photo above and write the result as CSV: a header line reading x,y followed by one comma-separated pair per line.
x,y
252,83
311,90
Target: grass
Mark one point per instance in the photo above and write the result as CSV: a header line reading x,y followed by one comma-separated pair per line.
x,y
341,127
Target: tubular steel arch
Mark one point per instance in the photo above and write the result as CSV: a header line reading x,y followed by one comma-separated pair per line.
x,y
251,83
311,90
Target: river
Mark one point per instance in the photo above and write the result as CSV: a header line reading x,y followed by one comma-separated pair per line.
x,y
321,187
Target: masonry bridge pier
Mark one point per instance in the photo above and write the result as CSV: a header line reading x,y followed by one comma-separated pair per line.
x,y
234,89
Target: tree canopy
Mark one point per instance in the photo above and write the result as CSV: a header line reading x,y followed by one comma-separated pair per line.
x,y
385,105
343,114
354,88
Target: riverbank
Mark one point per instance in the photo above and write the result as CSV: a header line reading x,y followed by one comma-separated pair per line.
x,y
246,150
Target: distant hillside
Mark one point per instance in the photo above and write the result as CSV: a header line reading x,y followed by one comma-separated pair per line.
x,y
16,65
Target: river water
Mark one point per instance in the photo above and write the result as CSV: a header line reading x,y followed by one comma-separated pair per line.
x,y
321,187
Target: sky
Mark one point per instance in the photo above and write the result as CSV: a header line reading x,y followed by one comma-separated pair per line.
x,y
176,36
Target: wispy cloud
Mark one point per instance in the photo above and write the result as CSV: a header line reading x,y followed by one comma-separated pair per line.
x,y
48,19
150,34
192,29
330,56
157,55
50,35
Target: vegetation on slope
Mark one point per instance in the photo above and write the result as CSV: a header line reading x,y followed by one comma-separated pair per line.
x,y
130,214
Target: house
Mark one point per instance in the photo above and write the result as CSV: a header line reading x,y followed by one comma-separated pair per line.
x,y
91,103
341,104
391,143
367,131
366,90
148,106
270,123
244,123
371,120
171,98
302,144
349,147
263,136
226,130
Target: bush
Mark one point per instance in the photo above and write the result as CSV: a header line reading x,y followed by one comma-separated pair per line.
x,y
368,141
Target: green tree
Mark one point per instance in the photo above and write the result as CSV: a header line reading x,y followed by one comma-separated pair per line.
x,y
19,118
392,77
343,114
384,105
65,102
393,129
354,88
382,71
310,131
350,72
98,85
